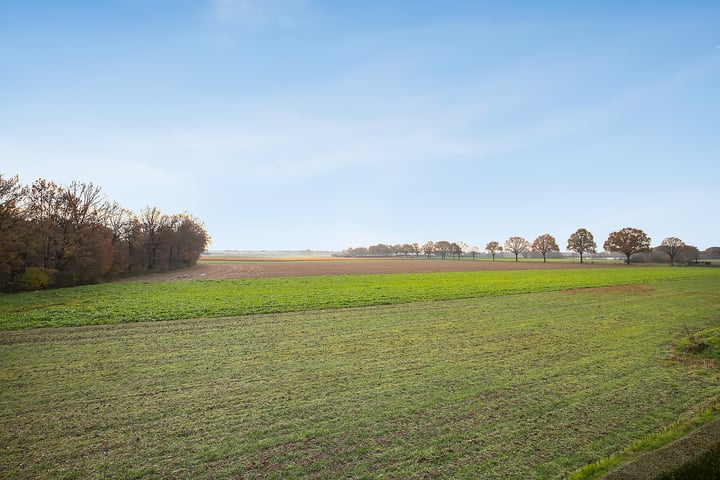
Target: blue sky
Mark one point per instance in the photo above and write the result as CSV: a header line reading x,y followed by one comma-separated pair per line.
x,y
294,124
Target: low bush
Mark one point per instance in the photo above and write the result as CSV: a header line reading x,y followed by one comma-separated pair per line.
x,y
36,278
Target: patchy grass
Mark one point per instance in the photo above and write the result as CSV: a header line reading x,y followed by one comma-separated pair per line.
x,y
153,301
531,385
699,353
700,416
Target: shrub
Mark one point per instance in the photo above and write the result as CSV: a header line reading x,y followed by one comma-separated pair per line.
x,y
36,278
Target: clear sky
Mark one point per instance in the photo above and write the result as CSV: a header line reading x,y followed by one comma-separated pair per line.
x,y
327,124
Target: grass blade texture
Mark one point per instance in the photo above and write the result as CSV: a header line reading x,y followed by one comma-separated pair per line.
x,y
531,385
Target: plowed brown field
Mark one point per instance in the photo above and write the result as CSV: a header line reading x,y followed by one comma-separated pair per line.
x,y
234,267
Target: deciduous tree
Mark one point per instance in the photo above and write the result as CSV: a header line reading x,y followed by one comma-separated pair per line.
x,y
458,248
517,245
688,253
545,243
12,230
493,247
41,211
63,235
356,252
380,250
153,228
628,241
580,242
189,241
83,244
405,249
672,246
429,248
444,247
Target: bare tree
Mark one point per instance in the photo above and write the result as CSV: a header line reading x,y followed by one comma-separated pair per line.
x,y
628,241
545,243
41,211
83,203
672,246
11,193
580,242
120,221
153,226
517,245
493,247
83,246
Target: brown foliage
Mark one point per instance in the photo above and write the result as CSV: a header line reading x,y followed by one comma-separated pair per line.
x,y
580,242
628,241
544,244
75,233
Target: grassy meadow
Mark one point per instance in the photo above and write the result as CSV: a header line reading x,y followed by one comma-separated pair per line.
x,y
123,302
522,374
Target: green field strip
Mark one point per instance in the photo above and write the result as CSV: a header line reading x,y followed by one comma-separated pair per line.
x,y
124,302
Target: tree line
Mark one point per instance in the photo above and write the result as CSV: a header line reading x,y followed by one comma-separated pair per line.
x,y
627,241
64,235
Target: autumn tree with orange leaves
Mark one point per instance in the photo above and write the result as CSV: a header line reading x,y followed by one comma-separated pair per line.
x,y
63,235
493,247
628,241
545,243
581,242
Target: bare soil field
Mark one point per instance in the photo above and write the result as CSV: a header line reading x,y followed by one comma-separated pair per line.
x,y
234,267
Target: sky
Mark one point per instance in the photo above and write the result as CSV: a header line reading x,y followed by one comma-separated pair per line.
x,y
328,124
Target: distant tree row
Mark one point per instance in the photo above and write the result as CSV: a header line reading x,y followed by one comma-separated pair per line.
x,y
62,235
627,241
442,248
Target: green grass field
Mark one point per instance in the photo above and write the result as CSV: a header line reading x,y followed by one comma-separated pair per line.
x,y
523,374
123,302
